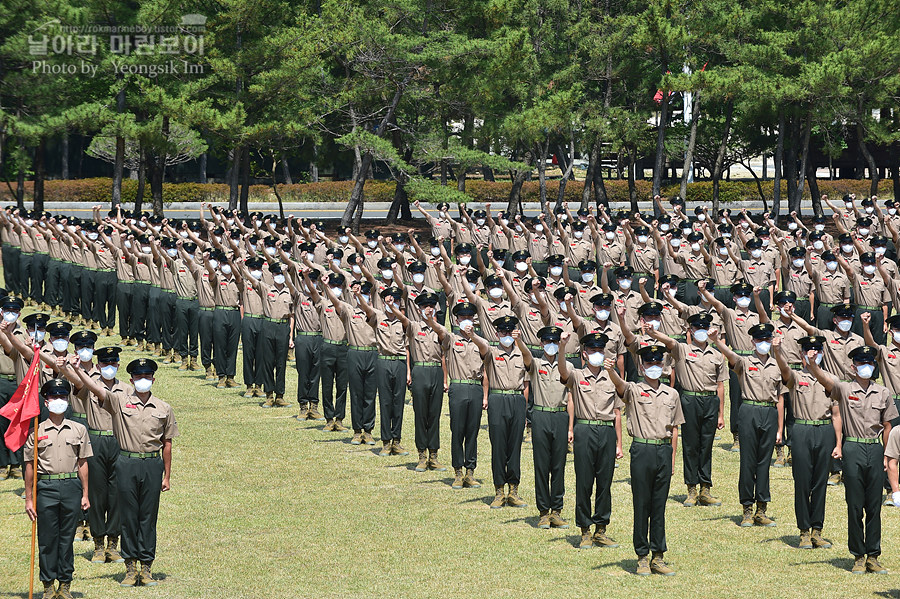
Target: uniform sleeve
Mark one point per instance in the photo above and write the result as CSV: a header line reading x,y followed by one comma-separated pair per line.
x,y
630,390
171,430
678,352
620,344
84,448
722,374
28,451
679,415
890,411
739,365
839,391
892,449
111,403
791,382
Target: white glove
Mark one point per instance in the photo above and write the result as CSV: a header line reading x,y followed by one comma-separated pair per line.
x,y
896,498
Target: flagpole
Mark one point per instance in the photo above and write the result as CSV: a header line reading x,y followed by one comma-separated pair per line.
x,y
34,500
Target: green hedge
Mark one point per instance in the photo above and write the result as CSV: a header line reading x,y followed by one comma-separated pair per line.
x,y
99,191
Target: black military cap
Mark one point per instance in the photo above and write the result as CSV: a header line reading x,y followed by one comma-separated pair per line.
x,y
397,237
698,210
580,226
500,255
867,202
828,256
623,272
464,309
672,280
651,309
864,222
863,354
894,321
587,266
276,269
83,339
480,214
641,230
427,299
365,287
519,256
867,257
725,228
555,259
583,212
602,299
695,236
762,331
505,323
550,333
701,320
652,353
56,387
392,291
307,246
373,234
710,284
255,262
811,342
676,200
108,355
463,248
493,281
845,238
385,263
336,279
473,276
219,231
785,296
610,227
844,310
664,219
535,281
878,240
754,244
11,303
141,366
59,329
561,292
417,266
720,241
797,252
441,206
742,289
595,340
189,246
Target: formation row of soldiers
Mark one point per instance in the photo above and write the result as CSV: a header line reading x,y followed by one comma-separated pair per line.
x,y
558,322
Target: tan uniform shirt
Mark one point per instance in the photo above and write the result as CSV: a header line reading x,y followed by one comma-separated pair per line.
x,y
424,343
831,287
889,366
699,369
892,449
790,343
759,273
306,315
652,413
616,343
870,292
530,321
462,358
332,325
863,411
185,285
808,398
277,303
389,335
505,368
359,333
98,418
695,266
798,281
760,381
140,427
228,295
737,327
594,396
643,259
488,311
837,347
546,388
641,340
59,447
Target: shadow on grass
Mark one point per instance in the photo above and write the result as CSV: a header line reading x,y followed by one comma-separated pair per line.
x,y
735,519
888,594
483,500
627,565
841,563
532,521
441,481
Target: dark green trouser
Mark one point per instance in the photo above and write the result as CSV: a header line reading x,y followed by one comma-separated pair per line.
x,y
691,294
824,316
103,492
271,351
205,325
697,435
811,458
863,477
757,427
53,283
894,422
734,401
186,326
88,280
8,276
58,507
38,275
724,295
71,288
802,309
124,292
140,296
7,457
651,473
595,461
167,319
549,441
105,283
506,427
333,373
140,484
154,314
391,375
441,314
764,299
226,336
307,349
876,325
427,398
251,331
25,261
465,403
363,387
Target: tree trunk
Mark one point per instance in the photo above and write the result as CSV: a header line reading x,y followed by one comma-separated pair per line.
x,y
593,161
632,188
118,165
40,173
245,182
543,151
804,159
20,176
400,204
789,164
204,158
313,166
287,171
64,155
720,156
777,163
142,181
600,196
867,155
570,166
236,153
894,154
659,163
275,187
515,192
692,143
814,192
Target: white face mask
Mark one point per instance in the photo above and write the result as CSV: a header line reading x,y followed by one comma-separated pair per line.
x,y
145,249
869,269
495,292
507,341
480,222
256,274
337,291
819,228
521,266
372,244
654,323
863,232
142,385
792,226
763,347
311,257
865,371
366,297
847,248
653,372
701,217
519,230
270,251
226,269
85,354
93,236
695,247
435,251
400,247
109,372
336,262
551,349
756,253
539,228
595,359
57,406
896,336
892,211
742,301
230,221
675,243
172,252
765,243
784,312
798,263
472,286
29,222
723,251
38,335
344,239
587,277
664,227
357,269
879,250
745,225
869,209
601,314
418,277
279,279
464,260
642,239
387,274
214,263
848,204
610,235
685,231
10,316
60,345
464,324
832,266
844,325
818,244
580,234
701,335
556,270
625,283
671,292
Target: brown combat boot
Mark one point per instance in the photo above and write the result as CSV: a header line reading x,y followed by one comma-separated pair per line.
x,y
527,437
357,438
146,576
760,518
15,472
230,383
557,521
221,383
736,446
422,466
818,540
368,439
192,363
112,550
313,412
99,556
280,403
587,539
185,364
4,473
805,539
433,463
747,519
86,531
859,565
601,540
270,401
329,426
835,479
338,425
170,357
131,574
873,566
659,566
643,566
513,499
249,392
544,519
304,408
210,374
499,498
64,591
779,456
706,497
397,449
469,480
457,480
691,499
49,591
385,449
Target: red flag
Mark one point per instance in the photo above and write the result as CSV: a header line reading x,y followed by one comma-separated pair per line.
x,y
22,407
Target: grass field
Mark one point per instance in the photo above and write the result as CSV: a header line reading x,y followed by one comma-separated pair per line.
x,y
265,506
